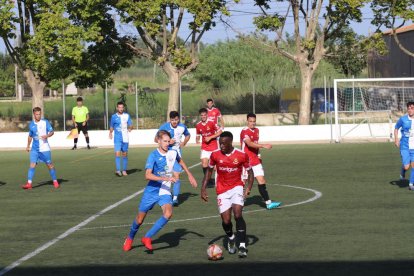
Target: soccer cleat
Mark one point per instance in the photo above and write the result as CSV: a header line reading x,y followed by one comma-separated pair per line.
x,y
147,243
56,184
231,246
402,177
273,205
128,244
242,252
175,202
118,173
28,186
124,173
74,147
88,147
411,187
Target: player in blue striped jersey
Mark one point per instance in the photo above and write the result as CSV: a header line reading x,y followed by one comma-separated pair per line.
x,y
159,173
39,130
406,143
177,130
121,124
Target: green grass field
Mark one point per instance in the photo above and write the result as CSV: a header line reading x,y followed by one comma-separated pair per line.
x,y
361,225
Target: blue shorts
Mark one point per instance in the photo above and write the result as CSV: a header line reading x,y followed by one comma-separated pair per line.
x,y
149,199
44,156
407,156
121,146
177,167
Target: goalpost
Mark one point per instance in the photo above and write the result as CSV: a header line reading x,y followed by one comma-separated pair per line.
x,y
367,108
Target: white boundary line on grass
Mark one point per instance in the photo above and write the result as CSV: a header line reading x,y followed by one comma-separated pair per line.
x,y
317,195
71,231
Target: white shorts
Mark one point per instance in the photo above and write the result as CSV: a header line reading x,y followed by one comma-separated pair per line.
x,y
227,199
257,171
205,154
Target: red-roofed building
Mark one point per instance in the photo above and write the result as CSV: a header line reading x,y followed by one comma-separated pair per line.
x,y
396,63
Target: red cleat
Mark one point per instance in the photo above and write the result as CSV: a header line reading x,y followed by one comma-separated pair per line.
x,y
28,186
55,184
128,244
147,243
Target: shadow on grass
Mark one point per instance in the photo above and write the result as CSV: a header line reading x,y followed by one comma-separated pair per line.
x,y
2,183
184,197
255,200
131,171
228,266
402,183
50,182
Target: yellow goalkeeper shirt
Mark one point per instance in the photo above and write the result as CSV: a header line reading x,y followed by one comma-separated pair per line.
x,y
80,113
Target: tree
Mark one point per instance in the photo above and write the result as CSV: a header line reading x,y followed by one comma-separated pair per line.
x,y
51,43
158,23
393,15
315,23
6,76
347,53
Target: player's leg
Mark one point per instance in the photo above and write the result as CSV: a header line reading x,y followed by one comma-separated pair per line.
x,y
261,181
85,132
147,202
406,161
46,157
224,205
411,185
34,156
241,229
177,185
124,150
75,140
117,149
166,206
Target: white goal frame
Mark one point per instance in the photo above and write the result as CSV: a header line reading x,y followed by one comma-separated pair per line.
x,y
337,128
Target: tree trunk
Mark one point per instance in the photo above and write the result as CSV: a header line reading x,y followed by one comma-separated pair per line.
x,y
37,87
305,96
174,95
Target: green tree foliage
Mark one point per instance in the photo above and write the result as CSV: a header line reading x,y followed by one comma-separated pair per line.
x,y
6,76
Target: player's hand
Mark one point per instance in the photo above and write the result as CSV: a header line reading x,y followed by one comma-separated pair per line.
x,y
397,143
267,146
76,125
204,195
44,137
246,193
208,139
192,180
172,141
110,135
84,123
28,148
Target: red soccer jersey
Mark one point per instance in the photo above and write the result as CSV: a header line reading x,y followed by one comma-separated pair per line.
x,y
229,169
213,114
207,129
253,153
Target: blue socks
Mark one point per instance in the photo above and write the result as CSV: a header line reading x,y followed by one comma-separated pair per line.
x,y
412,176
134,230
159,224
176,188
118,163
125,162
52,173
30,174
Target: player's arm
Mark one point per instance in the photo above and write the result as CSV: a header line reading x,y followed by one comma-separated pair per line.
x,y
130,127
198,136
87,119
74,121
250,180
186,139
29,142
207,176
191,178
396,140
215,135
221,121
150,176
50,131
252,144
111,127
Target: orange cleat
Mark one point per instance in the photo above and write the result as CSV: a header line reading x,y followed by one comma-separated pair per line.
x,y
128,244
28,186
147,243
56,184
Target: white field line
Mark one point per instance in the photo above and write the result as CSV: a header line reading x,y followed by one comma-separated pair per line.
x,y
71,231
317,195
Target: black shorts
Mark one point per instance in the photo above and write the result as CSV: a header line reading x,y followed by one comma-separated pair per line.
x,y
82,128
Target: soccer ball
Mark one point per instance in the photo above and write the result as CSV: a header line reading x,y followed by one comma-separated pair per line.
x,y
214,252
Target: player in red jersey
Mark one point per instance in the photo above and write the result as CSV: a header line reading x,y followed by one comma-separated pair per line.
x,y
249,138
229,163
208,131
214,113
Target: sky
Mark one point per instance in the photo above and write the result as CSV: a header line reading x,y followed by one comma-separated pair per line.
x,y
241,21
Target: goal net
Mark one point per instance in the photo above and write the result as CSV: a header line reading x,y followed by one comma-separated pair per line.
x,y
368,108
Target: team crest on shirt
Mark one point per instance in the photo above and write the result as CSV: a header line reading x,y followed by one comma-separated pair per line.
x,y
235,161
208,128
221,161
